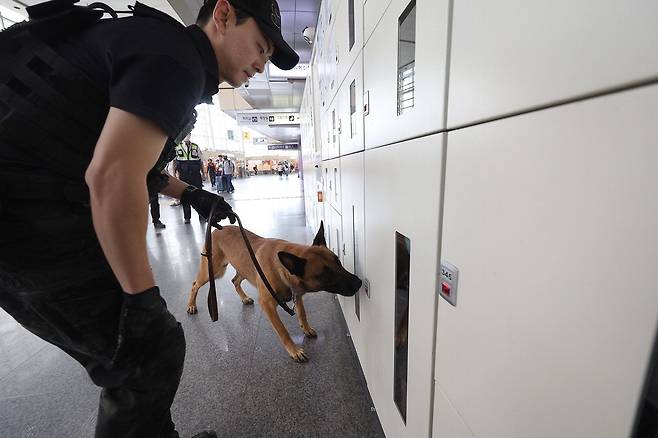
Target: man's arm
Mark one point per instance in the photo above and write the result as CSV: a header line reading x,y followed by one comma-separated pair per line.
x,y
174,187
126,150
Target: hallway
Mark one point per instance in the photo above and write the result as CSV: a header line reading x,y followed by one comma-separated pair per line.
x,y
238,379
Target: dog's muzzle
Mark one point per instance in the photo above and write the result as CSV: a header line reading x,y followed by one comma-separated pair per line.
x,y
352,287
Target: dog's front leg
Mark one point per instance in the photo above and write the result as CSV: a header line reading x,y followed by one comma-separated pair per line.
x,y
268,305
303,322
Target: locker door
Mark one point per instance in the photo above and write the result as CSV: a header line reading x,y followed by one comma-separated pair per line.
x,y
334,128
331,62
351,109
336,175
349,34
508,56
333,230
551,219
404,65
332,183
372,12
352,179
402,180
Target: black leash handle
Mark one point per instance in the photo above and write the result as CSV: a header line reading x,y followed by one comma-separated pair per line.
x,y
212,292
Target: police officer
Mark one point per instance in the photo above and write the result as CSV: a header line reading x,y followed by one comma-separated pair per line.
x,y
189,168
102,102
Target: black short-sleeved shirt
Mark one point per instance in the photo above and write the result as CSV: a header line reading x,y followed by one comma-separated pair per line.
x,y
152,67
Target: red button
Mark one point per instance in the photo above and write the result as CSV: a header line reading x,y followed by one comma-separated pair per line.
x,y
445,288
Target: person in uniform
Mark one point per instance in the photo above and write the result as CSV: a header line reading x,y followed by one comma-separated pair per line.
x,y
189,161
103,103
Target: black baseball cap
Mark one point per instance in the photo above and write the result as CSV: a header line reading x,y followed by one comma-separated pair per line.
x,y
268,16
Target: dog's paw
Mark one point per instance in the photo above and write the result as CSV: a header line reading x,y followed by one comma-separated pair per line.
x,y
248,301
310,332
191,310
298,354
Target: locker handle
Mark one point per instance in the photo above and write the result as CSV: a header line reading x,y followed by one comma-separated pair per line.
x,y
366,103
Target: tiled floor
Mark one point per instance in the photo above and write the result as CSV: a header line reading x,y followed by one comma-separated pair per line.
x,y
238,379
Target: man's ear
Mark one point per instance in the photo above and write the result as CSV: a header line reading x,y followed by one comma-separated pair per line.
x,y
319,238
221,15
295,265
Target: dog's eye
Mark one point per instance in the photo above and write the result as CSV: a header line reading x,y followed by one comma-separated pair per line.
x,y
325,275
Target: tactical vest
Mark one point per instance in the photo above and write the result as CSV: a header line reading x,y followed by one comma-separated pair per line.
x,y
188,153
53,109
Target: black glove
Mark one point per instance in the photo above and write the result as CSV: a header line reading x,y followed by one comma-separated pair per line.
x,y
202,201
144,320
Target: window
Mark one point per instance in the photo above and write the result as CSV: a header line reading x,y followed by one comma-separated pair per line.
x,y
406,58
350,5
353,109
333,126
400,369
647,414
229,134
357,268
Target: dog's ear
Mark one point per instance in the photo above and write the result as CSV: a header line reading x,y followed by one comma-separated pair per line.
x,y
319,238
295,265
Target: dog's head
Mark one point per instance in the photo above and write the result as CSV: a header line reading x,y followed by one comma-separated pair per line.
x,y
317,268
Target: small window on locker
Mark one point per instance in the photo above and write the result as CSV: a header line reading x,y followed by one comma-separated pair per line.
x,y
336,184
353,109
357,268
646,423
350,11
406,58
400,369
333,125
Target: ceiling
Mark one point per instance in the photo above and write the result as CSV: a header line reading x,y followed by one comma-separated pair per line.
x,y
262,93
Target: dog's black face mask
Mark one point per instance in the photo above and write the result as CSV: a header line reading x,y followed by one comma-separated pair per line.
x,y
320,269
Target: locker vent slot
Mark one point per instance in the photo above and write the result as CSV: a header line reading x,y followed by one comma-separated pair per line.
x,y
406,58
402,264
353,109
350,11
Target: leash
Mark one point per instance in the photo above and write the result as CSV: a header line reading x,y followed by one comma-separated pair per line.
x,y
212,292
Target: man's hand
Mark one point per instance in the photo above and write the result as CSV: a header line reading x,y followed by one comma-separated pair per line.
x,y
202,201
144,319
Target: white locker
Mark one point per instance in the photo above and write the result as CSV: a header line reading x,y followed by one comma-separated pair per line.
x,y
372,13
333,228
330,129
418,107
349,36
401,181
332,186
330,60
446,420
353,215
509,56
550,218
350,105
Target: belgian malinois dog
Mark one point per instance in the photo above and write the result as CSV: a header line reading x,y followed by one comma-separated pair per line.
x,y
291,269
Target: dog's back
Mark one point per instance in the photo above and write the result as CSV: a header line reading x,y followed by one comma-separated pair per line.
x,y
231,244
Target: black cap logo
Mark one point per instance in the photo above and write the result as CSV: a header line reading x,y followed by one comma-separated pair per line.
x,y
276,15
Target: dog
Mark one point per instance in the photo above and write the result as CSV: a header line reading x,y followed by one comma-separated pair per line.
x,y
292,269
